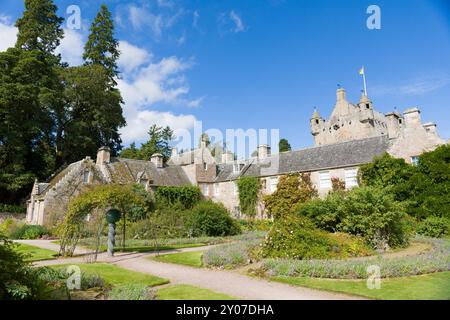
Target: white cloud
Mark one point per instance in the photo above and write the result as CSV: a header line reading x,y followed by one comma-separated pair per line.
x,y
195,103
419,86
140,18
8,33
72,47
147,83
138,126
239,25
131,57
230,22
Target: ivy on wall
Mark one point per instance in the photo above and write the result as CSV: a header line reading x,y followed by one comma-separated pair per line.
x,y
248,188
187,196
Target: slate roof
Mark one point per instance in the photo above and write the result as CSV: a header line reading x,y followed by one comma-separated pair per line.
x,y
129,171
338,155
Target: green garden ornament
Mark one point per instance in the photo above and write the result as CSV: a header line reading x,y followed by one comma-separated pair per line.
x,y
112,216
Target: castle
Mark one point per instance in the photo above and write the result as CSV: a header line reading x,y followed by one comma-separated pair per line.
x,y
353,135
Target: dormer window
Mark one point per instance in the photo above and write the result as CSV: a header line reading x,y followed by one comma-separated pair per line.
x,y
205,166
367,106
86,175
236,168
144,182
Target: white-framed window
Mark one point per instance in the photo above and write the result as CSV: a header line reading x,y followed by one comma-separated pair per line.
x,y
273,183
86,175
324,180
205,190
351,178
205,166
216,189
415,160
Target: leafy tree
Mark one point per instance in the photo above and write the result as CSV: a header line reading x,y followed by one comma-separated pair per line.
x,y
24,121
94,113
101,47
159,142
337,185
39,27
292,190
131,152
284,145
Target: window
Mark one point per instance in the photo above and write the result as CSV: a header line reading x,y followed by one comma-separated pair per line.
x,y
351,178
273,183
324,180
415,160
216,189
86,176
205,166
205,190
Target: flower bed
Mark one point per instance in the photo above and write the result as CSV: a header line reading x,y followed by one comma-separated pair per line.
x,y
435,260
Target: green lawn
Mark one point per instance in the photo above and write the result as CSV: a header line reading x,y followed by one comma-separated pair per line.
x,y
188,292
115,275
33,253
435,286
192,258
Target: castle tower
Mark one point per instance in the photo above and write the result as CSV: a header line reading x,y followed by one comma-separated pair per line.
x,y
315,123
366,109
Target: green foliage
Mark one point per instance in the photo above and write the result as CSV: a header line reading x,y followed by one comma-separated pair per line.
x,y
337,185
95,201
28,231
9,208
102,48
131,291
186,196
366,211
95,113
296,237
212,219
248,188
434,227
39,27
292,190
231,255
18,280
284,145
159,142
255,224
10,226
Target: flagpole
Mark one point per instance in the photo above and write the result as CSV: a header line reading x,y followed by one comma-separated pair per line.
x,y
364,79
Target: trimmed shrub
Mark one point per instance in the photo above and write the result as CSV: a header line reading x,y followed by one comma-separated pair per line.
x,y
29,231
435,260
369,212
131,291
231,255
435,227
296,237
212,219
10,208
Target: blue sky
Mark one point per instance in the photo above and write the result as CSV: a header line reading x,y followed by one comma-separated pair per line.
x,y
266,63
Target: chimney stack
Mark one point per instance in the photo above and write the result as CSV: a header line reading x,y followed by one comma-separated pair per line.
x,y
157,160
412,117
263,151
227,157
341,95
103,155
174,152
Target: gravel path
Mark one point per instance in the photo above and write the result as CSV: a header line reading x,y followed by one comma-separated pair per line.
x,y
232,283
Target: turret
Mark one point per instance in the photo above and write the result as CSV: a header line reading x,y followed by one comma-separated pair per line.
x,y
365,109
315,123
394,123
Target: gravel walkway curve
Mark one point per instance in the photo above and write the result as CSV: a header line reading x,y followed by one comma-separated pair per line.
x,y
232,283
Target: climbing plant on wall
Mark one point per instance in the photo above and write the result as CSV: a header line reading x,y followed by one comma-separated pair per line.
x,y
248,188
94,203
